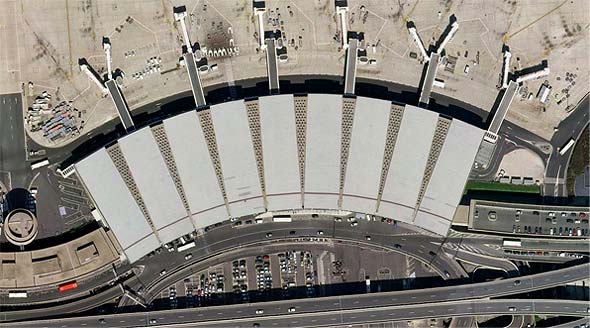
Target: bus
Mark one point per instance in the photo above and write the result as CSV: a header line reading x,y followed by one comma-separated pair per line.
x,y
186,246
39,164
67,286
563,149
15,294
282,218
511,243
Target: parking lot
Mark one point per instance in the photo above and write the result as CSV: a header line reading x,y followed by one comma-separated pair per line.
x,y
295,272
522,219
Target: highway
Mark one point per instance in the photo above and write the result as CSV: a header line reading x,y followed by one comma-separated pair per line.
x,y
278,315
225,239
495,288
556,169
12,141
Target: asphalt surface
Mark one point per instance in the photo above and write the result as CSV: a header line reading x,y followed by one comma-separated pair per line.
x,y
556,169
12,140
488,262
279,315
225,238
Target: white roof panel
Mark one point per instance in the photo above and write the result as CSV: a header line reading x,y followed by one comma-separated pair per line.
x,y
409,157
173,231
193,163
210,216
238,163
451,171
112,197
152,177
396,211
284,202
143,247
279,144
322,163
365,159
432,223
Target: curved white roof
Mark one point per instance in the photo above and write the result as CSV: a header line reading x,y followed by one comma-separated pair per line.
x,y
281,152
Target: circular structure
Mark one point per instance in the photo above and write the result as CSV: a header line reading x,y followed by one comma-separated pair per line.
x,y
21,227
275,153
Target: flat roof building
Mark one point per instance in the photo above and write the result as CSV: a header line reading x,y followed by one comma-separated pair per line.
x,y
280,152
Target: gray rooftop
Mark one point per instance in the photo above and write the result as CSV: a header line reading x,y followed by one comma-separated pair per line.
x,y
262,135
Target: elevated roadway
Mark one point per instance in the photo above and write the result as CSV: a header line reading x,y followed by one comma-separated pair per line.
x,y
386,299
309,315
225,239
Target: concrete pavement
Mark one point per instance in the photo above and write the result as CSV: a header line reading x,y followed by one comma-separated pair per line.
x,y
12,140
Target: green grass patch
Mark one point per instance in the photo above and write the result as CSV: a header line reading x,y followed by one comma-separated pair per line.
x,y
501,187
578,161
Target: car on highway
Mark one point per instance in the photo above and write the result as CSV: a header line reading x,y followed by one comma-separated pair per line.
x,y
320,232
153,321
397,246
511,309
368,238
188,256
516,282
268,234
163,272
291,310
447,274
259,311
354,224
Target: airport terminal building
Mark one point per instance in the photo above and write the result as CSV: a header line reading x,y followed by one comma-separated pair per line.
x,y
280,152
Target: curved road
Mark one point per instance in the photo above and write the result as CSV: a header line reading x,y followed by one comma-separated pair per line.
x,y
556,170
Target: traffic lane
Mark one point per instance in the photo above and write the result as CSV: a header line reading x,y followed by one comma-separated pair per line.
x,y
571,127
231,316
81,305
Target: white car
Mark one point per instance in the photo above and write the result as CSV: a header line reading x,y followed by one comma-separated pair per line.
x,y
260,311
291,309
354,224
188,256
321,232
